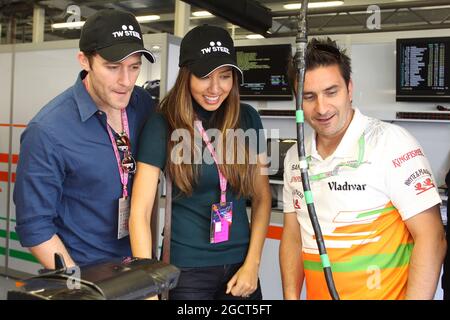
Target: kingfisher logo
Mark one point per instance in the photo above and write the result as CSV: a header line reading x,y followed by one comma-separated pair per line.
x,y
296,179
407,156
215,47
127,31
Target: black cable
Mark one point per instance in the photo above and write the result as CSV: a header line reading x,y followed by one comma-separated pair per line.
x,y
301,44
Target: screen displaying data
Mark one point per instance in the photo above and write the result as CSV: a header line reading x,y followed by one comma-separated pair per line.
x,y
265,71
423,67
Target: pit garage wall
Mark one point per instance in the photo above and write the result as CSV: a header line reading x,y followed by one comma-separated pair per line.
x,y
54,70
5,113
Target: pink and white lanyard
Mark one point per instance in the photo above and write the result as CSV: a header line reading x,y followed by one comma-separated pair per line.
x,y
123,175
223,180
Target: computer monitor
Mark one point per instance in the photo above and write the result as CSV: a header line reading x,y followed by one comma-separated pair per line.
x,y
423,69
264,70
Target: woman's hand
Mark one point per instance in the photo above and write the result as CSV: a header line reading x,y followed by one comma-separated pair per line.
x,y
244,282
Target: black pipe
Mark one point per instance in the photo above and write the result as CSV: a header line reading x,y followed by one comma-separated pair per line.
x,y
301,44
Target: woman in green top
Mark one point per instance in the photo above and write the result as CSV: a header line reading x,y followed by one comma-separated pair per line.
x,y
216,248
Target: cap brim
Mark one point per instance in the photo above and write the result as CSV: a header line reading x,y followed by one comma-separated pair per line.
x,y
121,51
203,67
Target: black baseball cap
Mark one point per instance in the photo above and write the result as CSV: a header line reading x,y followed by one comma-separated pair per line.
x,y
114,35
206,48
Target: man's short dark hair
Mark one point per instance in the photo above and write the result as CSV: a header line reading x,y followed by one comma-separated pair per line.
x,y
322,53
90,56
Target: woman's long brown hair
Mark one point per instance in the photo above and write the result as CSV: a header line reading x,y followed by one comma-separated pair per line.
x,y
178,110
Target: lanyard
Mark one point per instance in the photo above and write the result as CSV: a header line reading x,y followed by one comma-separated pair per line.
x,y
223,180
123,175
352,164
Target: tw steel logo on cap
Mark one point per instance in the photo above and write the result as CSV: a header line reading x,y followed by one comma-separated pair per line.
x,y
215,47
127,31
114,35
206,48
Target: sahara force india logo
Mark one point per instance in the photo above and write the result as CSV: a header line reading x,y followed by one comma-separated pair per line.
x,y
298,196
421,180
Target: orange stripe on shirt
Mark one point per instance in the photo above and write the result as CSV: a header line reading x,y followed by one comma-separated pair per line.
x,y
391,232
363,286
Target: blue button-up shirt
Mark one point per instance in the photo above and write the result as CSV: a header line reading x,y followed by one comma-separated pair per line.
x,y
68,181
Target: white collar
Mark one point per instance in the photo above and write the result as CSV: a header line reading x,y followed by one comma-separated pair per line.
x,y
348,147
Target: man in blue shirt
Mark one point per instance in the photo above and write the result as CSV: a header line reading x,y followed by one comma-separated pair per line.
x,y
77,154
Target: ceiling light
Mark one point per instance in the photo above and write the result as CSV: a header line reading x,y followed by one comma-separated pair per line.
x,y
69,25
254,36
152,17
201,14
293,6
79,24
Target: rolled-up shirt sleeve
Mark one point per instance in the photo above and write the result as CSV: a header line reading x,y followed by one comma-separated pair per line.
x,y
38,187
410,182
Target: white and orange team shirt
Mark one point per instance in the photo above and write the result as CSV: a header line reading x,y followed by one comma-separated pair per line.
x,y
377,178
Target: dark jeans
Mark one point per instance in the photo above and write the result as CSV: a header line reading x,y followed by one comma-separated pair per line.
x,y
208,283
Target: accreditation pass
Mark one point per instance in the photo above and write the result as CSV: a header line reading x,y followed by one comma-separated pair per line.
x,y
124,216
